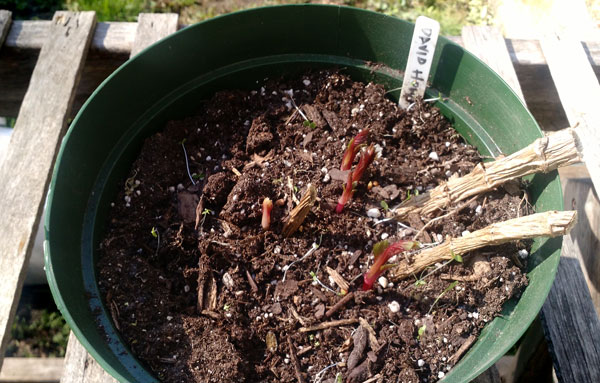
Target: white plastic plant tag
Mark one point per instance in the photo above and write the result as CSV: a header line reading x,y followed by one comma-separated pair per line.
x,y
419,61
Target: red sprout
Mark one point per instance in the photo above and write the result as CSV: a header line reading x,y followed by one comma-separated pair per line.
x,y
353,147
366,159
383,252
267,206
346,195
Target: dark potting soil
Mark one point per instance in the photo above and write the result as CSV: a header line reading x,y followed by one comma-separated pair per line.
x,y
196,286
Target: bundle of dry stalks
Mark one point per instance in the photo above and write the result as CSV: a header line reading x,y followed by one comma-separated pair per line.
x,y
546,224
543,155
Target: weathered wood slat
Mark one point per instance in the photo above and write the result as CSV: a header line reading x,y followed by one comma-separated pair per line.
x,y
113,37
5,18
118,37
571,326
571,323
529,52
151,28
579,93
488,44
28,34
31,370
80,367
112,44
16,67
25,171
583,242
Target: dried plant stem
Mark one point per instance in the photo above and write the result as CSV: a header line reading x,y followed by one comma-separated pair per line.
x,y
341,303
295,361
546,224
324,325
463,348
543,155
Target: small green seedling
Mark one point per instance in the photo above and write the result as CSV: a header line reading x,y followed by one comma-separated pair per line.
x,y
197,176
309,124
450,287
226,307
156,235
339,378
456,257
420,282
421,331
314,277
205,213
385,206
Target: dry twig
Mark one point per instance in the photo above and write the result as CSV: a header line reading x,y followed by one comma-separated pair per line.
x,y
462,349
295,361
251,282
341,303
324,325
297,316
546,224
543,155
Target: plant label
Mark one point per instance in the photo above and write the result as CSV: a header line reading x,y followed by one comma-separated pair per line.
x,y
420,57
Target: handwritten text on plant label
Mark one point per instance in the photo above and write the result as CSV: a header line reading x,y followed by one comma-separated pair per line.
x,y
419,62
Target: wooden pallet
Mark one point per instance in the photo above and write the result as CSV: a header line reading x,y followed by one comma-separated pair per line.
x,y
48,68
26,169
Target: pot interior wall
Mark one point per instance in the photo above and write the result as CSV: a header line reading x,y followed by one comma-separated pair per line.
x,y
170,80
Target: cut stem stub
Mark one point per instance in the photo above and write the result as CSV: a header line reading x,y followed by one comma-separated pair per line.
x,y
546,224
543,155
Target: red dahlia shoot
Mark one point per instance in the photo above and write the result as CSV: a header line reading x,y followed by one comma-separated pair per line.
x,y
353,147
383,251
267,206
366,158
346,194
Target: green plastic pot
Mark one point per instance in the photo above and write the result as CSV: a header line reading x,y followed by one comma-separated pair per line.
x,y
168,80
